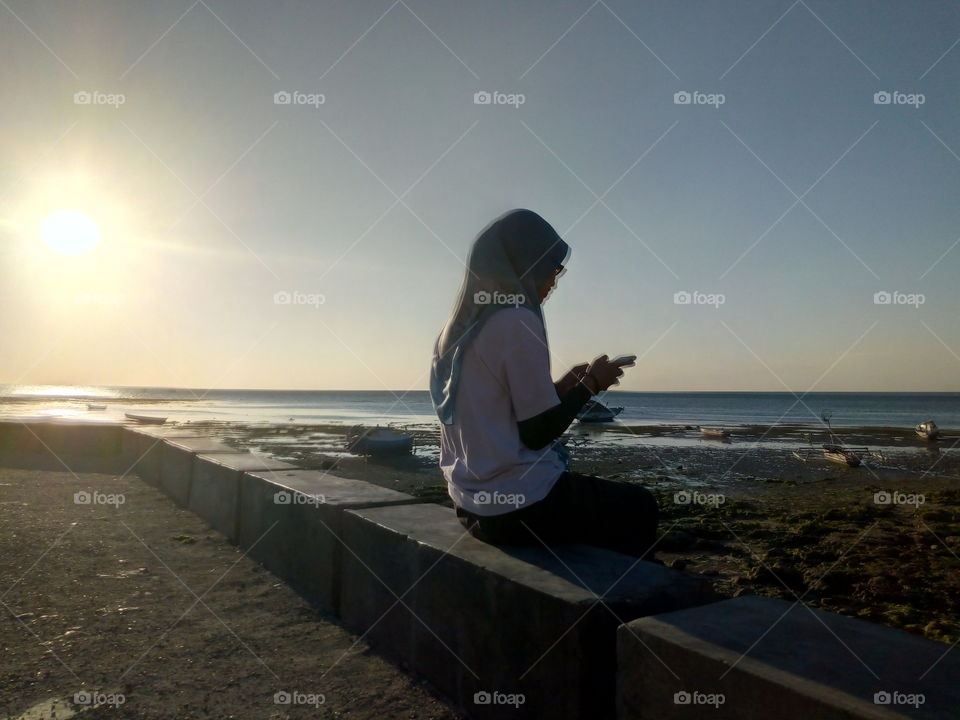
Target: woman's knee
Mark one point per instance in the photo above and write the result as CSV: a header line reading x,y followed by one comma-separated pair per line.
x,y
648,502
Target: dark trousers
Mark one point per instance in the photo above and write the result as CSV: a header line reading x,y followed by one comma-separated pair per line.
x,y
578,509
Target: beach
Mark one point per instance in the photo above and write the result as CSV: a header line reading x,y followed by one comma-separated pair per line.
x,y
143,601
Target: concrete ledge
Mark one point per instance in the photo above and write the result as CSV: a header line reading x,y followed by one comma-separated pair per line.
x,y
477,618
141,447
290,522
54,444
800,664
176,463
215,487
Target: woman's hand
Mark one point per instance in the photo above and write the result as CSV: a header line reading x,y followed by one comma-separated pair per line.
x,y
605,373
570,380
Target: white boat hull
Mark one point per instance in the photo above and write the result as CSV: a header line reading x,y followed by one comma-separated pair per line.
x,y
596,412
379,442
146,419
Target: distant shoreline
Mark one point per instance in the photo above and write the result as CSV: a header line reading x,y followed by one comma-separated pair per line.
x,y
748,414
749,430
201,391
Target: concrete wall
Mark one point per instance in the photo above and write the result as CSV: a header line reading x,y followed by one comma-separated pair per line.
x,y
176,462
141,447
486,622
57,445
290,521
215,487
754,658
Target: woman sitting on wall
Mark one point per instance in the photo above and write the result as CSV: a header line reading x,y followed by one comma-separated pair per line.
x,y
501,413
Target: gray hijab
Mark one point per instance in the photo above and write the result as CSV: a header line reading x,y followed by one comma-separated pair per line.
x,y
510,260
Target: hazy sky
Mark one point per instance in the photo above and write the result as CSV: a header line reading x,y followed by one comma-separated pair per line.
x,y
783,188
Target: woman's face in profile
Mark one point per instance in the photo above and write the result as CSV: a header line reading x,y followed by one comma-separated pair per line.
x,y
549,285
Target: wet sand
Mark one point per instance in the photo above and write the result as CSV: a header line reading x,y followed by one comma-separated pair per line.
x,y
874,436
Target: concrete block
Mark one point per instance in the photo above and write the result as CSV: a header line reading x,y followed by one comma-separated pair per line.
x,y
489,622
141,446
62,444
176,463
290,523
772,658
215,486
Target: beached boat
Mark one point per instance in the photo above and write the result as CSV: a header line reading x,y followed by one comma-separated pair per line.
x,y
842,455
596,412
146,419
96,407
928,431
378,441
834,453
714,433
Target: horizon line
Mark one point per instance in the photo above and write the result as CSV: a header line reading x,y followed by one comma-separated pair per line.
x,y
403,392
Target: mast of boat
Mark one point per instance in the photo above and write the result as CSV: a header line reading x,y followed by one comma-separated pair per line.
x,y
825,415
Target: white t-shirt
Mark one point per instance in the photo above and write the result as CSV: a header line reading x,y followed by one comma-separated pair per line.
x,y
504,377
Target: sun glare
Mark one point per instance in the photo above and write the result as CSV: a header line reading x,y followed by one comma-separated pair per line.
x,y
69,232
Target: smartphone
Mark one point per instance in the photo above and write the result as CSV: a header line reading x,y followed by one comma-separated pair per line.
x,y
625,360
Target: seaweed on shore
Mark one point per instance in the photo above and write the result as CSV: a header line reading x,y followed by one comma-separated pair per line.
x,y
896,565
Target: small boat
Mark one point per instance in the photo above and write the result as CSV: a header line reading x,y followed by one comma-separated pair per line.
x,y
715,433
596,412
378,441
842,455
928,431
834,453
146,419
96,407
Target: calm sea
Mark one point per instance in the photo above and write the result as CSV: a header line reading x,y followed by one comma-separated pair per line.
x,y
414,408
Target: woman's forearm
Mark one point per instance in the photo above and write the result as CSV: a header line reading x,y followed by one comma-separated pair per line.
x,y
540,430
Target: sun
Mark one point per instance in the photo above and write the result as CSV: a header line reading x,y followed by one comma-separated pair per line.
x,y
69,232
